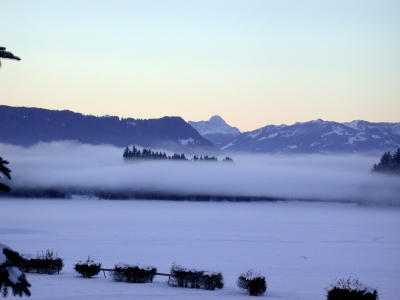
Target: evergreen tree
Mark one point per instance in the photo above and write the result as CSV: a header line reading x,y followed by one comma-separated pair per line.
x,y
395,162
146,153
7,54
6,171
210,158
389,164
127,153
227,159
11,276
134,151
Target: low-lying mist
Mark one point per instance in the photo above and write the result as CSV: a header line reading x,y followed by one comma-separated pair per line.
x,y
322,177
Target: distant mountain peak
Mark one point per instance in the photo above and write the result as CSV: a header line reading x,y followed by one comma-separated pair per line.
x,y
217,120
318,121
214,125
216,130
353,124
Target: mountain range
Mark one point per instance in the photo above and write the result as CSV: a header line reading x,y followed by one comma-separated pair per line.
x,y
27,126
317,136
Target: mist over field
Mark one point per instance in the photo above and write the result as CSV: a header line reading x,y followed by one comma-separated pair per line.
x,y
322,177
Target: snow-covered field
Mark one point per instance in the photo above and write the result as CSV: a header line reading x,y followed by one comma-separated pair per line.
x,y
301,247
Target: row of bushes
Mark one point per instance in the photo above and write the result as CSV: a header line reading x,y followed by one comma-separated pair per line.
x,y
251,282
43,263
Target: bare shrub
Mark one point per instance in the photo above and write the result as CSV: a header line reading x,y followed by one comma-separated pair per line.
x,y
252,282
133,273
87,268
195,279
351,290
44,263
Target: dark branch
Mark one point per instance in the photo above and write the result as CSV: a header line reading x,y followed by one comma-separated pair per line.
x,y
3,169
4,188
7,54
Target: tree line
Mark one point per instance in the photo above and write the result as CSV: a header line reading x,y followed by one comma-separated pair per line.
x,y
389,164
148,154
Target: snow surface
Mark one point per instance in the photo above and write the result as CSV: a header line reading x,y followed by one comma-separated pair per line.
x,y
273,135
353,124
391,142
356,138
227,145
254,134
186,141
396,129
13,274
300,247
290,133
269,137
336,130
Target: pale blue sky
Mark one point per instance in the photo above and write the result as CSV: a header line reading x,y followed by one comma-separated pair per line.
x,y
252,62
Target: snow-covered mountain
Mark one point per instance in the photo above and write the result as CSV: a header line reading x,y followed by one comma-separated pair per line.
x,y
318,136
215,130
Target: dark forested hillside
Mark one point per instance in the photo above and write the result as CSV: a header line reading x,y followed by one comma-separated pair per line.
x,y
26,126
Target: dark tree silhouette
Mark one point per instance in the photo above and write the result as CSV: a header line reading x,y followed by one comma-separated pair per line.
x,y
7,55
6,171
11,276
389,164
227,159
148,154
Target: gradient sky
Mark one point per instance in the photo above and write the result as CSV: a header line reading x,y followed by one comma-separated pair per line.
x,y
252,62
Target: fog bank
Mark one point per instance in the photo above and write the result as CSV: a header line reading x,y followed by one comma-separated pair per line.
x,y
322,177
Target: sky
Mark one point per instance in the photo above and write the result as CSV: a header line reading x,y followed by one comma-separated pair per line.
x,y
252,62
